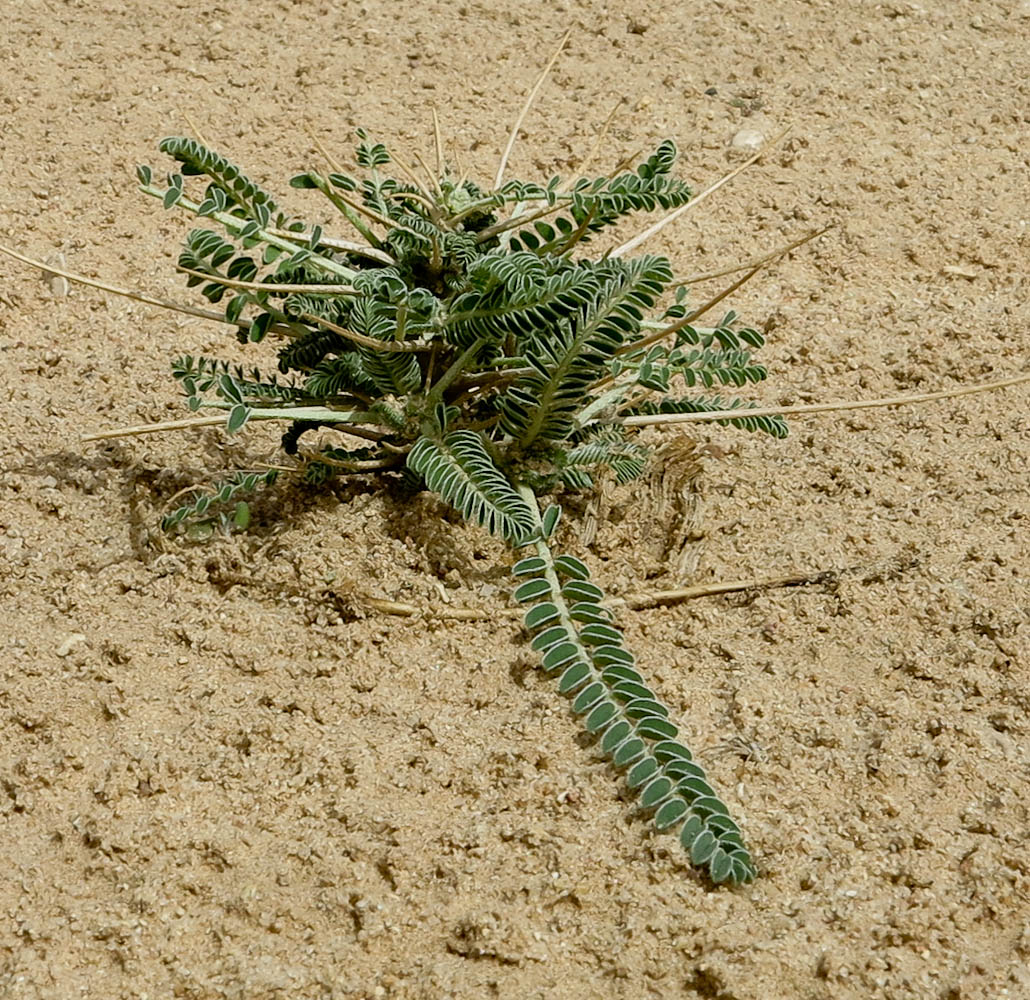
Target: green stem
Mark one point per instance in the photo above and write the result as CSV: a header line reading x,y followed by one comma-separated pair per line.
x,y
352,217
440,386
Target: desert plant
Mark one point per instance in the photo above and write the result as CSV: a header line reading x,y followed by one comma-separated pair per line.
x,y
473,347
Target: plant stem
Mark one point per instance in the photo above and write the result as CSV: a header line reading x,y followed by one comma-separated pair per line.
x,y
320,414
268,286
436,392
127,293
777,411
345,208
386,347
767,258
334,243
525,108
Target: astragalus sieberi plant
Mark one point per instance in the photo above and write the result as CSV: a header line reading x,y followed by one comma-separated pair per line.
x,y
467,340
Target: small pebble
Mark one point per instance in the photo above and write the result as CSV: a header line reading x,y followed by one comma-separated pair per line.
x,y
70,643
748,140
58,284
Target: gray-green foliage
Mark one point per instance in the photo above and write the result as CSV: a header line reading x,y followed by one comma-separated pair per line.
x,y
579,645
479,353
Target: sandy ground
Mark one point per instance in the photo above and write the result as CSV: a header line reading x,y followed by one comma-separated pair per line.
x,y
218,780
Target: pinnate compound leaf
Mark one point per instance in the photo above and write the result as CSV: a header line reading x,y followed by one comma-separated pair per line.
x,y
460,469
238,483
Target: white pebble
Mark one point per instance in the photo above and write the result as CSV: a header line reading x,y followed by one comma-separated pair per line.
x,y
58,285
748,140
70,643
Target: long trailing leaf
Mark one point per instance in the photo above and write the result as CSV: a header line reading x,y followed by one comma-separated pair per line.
x,y
227,178
578,644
